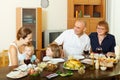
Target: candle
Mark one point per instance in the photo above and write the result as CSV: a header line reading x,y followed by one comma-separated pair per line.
x,y
117,52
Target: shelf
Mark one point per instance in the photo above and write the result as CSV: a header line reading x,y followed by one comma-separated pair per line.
x,y
88,11
90,2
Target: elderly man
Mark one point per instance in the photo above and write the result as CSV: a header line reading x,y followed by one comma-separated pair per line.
x,y
74,40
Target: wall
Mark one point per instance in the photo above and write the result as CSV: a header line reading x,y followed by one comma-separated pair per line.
x,y
54,17
7,23
113,16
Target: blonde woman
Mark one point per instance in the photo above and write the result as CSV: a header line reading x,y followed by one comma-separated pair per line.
x,y
101,38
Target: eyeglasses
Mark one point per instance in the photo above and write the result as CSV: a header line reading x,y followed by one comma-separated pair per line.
x,y
100,28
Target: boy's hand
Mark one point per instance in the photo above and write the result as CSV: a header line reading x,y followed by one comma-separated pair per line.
x,y
37,61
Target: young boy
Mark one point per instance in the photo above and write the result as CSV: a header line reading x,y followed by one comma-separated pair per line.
x,y
29,54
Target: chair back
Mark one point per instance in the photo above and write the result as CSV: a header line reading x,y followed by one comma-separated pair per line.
x,y
4,58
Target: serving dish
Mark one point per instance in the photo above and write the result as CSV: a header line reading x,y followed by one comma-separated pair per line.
x,y
73,64
17,74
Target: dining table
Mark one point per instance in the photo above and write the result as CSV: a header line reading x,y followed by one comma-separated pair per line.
x,y
90,73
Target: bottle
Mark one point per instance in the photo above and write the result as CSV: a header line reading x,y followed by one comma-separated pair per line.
x,y
92,57
80,13
76,14
97,64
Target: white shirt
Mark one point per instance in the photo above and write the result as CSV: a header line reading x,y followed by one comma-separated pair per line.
x,y
53,60
72,44
47,58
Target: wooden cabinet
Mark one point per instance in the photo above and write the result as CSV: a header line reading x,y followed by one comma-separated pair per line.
x,y
93,24
87,1
32,18
97,2
80,1
90,11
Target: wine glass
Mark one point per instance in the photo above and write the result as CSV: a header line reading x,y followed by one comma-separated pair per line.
x,y
86,52
99,50
27,61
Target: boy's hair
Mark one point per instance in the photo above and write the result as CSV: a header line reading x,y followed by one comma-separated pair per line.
x,y
55,49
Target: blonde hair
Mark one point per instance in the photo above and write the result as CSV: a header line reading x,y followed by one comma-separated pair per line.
x,y
31,47
105,25
55,49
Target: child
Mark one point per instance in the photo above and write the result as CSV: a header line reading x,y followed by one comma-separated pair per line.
x,y
29,54
52,51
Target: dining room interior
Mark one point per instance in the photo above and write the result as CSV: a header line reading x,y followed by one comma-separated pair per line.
x,y
54,17
48,19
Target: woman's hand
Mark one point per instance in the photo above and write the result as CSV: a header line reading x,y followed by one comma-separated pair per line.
x,y
109,54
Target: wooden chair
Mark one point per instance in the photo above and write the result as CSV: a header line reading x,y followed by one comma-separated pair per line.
x,y
4,58
42,54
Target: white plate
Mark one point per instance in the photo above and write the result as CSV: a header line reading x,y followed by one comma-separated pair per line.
x,y
87,61
97,55
17,74
78,57
56,60
22,67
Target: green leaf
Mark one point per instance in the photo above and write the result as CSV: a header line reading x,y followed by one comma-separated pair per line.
x,y
63,74
58,72
69,71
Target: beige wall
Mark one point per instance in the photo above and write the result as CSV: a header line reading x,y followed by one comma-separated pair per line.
x,y
113,16
54,17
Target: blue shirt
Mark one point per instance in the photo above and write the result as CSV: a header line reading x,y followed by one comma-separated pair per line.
x,y
33,58
107,44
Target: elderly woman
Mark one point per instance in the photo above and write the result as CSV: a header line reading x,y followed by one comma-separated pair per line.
x,y
103,39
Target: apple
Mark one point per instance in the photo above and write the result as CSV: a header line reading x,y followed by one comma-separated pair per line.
x,y
31,71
